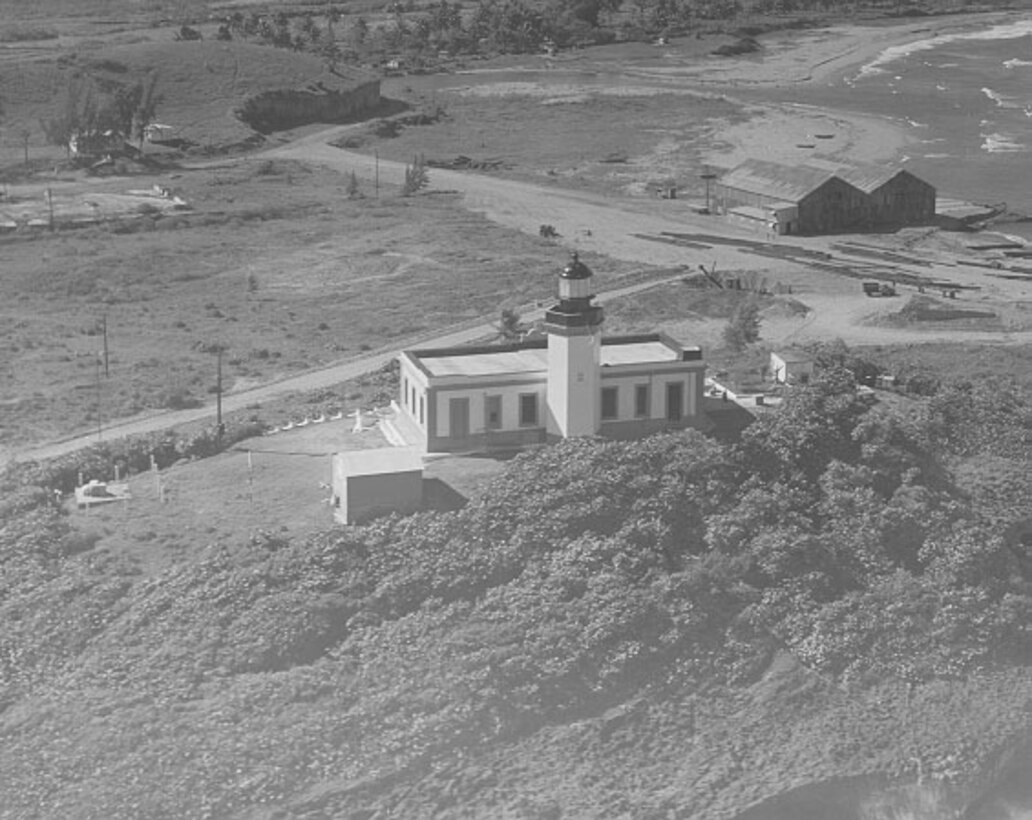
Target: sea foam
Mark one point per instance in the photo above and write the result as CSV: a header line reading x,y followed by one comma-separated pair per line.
x,y
1000,144
1001,100
1007,31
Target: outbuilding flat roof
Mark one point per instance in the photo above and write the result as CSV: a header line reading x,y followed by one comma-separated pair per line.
x,y
381,460
792,356
532,358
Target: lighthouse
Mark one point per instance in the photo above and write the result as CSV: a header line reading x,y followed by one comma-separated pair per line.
x,y
574,328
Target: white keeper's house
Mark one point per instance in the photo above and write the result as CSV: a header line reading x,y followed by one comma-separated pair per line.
x,y
572,383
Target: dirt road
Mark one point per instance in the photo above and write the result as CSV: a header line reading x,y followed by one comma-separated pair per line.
x,y
525,206
325,376
617,227
589,221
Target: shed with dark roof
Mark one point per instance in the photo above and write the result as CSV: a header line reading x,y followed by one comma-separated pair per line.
x,y
824,202
827,198
896,197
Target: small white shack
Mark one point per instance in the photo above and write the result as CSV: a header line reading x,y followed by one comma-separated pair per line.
x,y
790,366
367,483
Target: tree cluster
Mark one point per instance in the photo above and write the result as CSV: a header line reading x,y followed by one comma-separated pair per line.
x,y
421,31
92,111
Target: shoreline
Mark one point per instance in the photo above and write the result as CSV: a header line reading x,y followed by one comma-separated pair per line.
x,y
785,132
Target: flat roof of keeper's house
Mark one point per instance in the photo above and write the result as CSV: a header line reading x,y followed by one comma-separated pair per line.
x,y
532,357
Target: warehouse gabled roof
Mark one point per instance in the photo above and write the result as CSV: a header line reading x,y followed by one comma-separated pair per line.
x,y
869,178
786,182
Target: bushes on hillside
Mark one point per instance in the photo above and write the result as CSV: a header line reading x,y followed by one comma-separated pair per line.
x,y
131,455
588,570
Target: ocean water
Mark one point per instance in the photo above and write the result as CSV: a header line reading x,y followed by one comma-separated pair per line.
x,y
966,99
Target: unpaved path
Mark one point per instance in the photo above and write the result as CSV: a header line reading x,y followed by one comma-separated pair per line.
x,y
325,376
585,220
590,221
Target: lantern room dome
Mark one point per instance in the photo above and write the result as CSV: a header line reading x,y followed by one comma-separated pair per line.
x,y
575,269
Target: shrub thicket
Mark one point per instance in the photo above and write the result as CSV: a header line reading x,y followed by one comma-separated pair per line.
x,y
851,537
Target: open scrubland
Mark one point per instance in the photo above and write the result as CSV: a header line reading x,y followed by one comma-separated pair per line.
x,y
274,263
586,135
826,616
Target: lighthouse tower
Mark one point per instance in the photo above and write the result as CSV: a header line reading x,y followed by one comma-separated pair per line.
x,y
574,328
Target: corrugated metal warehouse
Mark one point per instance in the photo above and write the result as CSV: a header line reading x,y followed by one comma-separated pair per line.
x,y
808,199
897,197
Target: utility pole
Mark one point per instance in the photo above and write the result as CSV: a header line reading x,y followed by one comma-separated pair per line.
x,y
107,372
376,177
98,399
218,398
50,206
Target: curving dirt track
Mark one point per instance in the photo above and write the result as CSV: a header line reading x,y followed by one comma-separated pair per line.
x,y
616,227
604,225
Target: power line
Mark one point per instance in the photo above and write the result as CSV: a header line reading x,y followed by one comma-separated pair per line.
x,y
280,452
107,373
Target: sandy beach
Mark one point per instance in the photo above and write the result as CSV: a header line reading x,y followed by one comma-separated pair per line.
x,y
805,65
795,95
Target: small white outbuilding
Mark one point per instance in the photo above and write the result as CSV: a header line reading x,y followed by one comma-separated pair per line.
x,y
791,366
368,483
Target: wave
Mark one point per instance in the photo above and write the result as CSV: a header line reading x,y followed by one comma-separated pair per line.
x,y
1000,144
1007,31
1015,62
992,95
1001,100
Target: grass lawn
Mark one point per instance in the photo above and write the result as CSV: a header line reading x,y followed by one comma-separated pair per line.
x,y
281,489
274,262
274,485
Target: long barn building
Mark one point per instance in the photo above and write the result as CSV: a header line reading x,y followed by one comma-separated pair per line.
x,y
808,199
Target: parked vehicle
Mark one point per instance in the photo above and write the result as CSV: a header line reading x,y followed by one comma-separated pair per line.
x,y
100,492
878,289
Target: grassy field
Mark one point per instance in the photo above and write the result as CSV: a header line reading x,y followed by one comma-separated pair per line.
x,y
275,263
582,134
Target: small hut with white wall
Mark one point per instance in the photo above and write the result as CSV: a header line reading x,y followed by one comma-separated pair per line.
x,y
368,483
790,366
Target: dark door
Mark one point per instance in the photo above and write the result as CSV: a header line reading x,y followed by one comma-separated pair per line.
x,y
493,412
675,401
458,418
